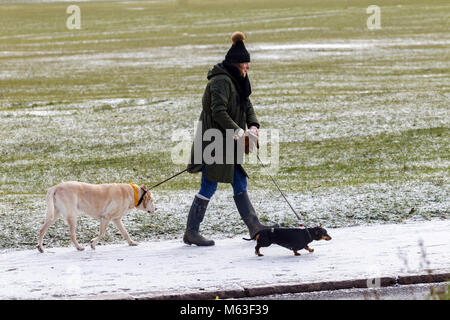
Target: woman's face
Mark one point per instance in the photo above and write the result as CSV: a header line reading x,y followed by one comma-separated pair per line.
x,y
243,68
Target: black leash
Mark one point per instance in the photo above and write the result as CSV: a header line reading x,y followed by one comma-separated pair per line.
x,y
292,208
267,171
142,197
160,183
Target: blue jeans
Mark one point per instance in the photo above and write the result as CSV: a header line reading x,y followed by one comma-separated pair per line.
x,y
208,188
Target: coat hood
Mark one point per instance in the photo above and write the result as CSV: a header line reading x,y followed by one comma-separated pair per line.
x,y
242,84
216,70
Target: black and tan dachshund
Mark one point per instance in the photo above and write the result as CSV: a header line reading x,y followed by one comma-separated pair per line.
x,y
292,238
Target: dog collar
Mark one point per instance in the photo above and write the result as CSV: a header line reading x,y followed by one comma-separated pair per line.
x,y
137,201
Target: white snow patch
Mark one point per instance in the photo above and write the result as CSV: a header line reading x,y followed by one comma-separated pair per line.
x,y
170,267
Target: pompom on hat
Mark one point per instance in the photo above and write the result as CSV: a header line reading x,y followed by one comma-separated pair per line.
x,y
237,53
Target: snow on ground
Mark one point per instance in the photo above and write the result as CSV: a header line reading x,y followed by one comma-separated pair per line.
x,y
188,56
169,267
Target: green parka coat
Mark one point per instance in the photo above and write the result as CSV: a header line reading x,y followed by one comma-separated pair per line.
x,y
221,110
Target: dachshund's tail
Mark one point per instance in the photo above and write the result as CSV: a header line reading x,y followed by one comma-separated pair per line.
x,y
255,237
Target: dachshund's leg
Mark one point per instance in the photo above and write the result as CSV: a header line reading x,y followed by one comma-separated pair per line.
x,y
258,246
296,253
309,249
257,251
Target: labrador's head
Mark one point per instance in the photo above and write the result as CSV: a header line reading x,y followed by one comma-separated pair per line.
x,y
148,202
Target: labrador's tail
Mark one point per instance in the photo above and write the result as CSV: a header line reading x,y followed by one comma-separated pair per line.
x,y
50,199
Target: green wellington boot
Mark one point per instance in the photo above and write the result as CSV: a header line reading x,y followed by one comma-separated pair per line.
x,y
248,214
195,217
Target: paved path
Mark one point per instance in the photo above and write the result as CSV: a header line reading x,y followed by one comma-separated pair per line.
x,y
171,267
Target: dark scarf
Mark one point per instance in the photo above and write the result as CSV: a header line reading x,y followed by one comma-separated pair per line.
x,y
243,84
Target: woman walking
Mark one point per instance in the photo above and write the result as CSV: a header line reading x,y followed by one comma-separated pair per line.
x,y
226,105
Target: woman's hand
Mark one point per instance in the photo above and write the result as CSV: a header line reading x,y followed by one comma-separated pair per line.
x,y
254,130
238,134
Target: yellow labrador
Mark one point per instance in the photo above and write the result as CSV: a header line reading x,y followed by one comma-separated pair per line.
x,y
104,202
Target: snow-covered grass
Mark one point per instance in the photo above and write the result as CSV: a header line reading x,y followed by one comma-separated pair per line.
x,y
23,215
362,115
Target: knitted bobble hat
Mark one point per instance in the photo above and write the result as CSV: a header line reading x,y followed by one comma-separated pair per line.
x,y
237,53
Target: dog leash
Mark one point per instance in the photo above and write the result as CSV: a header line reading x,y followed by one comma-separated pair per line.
x,y
279,189
160,183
